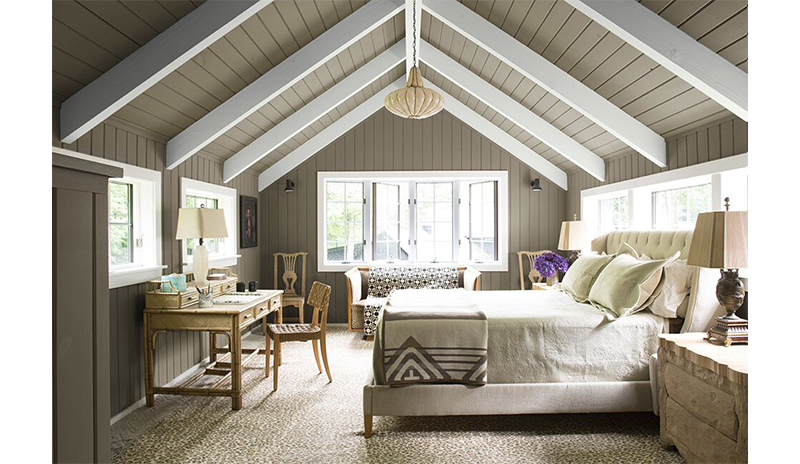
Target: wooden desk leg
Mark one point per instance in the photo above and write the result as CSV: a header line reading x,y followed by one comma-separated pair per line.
x,y
212,346
236,365
148,363
279,357
266,346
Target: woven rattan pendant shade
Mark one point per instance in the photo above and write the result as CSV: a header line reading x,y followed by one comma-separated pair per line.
x,y
414,101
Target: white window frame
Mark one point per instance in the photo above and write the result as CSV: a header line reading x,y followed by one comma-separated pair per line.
x,y
147,262
640,191
501,177
226,196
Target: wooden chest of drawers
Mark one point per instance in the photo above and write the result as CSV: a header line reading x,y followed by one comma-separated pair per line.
x,y
703,398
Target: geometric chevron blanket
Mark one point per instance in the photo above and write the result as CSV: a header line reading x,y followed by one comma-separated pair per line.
x,y
432,336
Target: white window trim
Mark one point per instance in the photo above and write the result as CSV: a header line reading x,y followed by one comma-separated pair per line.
x,y
639,190
151,267
366,176
228,202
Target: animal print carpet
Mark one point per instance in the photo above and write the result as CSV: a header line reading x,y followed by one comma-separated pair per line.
x,y
309,420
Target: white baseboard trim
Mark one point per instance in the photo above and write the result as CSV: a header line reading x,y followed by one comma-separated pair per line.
x,y
127,411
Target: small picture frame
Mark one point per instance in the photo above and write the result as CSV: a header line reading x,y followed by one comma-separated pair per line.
x,y
248,222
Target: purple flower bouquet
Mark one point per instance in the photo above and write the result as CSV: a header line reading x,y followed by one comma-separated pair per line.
x,y
548,263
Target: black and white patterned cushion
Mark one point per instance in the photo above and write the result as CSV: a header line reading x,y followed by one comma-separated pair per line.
x,y
382,280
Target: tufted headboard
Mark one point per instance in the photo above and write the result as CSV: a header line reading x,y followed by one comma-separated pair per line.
x,y
703,306
654,243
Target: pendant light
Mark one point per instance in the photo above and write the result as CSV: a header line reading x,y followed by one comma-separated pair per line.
x,y
414,101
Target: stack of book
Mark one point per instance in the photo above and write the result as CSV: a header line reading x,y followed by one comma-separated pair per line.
x,y
729,331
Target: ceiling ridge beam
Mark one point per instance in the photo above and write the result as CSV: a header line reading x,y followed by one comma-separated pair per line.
x,y
500,137
150,63
315,109
550,77
673,49
326,136
512,110
280,78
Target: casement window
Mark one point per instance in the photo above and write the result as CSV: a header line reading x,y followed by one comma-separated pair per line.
x,y
669,200
221,251
455,218
134,222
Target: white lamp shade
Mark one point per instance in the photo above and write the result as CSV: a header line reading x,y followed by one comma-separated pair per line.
x,y
573,236
719,240
201,223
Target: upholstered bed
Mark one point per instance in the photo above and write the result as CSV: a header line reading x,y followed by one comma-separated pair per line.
x,y
550,354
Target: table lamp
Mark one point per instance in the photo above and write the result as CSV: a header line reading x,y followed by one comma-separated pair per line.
x,y
719,242
201,223
573,237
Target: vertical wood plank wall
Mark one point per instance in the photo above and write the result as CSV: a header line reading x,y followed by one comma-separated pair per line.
x,y
720,139
175,351
385,142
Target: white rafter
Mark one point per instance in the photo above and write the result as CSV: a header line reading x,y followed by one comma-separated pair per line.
x,y
150,63
551,78
411,33
489,130
326,136
513,111
673,49
312,111
294,68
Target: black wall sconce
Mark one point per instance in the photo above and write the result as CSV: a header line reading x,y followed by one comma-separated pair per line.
x,y
535,187
289,186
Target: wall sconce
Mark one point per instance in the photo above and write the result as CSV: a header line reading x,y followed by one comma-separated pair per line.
x,y
289,186
535,187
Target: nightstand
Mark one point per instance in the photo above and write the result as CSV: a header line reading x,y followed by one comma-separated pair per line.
x,y
703,398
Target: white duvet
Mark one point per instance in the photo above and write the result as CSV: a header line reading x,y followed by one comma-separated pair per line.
x,y
545,336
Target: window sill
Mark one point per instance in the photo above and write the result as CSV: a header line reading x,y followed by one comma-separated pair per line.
x,y
132,276
215,261
483,267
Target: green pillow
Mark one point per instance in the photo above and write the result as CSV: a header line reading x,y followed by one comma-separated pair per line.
x,y
627,249
627,285
581,275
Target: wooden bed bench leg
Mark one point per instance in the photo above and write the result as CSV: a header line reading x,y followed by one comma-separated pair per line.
x,y
367,426
369,338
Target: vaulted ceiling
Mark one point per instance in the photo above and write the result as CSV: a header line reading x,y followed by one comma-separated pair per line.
x,y
91,37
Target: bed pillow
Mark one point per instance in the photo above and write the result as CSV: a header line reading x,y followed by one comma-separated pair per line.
x,y
674,293
582,274
627,285
626,249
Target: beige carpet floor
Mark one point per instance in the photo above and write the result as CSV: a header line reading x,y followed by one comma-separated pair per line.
x,y
309,420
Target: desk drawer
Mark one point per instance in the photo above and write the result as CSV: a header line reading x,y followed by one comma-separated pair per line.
x,y
248,316
228,287
262,310
274,302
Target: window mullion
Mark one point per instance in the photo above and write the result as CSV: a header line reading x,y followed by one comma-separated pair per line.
x,y
454,224
412,215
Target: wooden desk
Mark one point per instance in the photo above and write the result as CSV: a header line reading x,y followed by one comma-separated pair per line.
x,y
229,320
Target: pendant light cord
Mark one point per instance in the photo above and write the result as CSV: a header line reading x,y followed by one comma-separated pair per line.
x,y
414,39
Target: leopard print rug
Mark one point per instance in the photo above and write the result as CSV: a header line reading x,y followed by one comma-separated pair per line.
x,y
309,420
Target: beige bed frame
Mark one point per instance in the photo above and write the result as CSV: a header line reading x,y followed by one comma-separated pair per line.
x,y
555,398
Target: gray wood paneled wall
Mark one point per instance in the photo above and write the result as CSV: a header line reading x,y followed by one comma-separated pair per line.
x,y
385,142
720,139
176,351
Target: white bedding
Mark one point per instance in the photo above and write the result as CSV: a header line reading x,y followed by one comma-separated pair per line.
x,y
545,336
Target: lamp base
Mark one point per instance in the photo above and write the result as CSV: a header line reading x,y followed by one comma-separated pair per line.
x,y
730,292
729,331
573,257
200,265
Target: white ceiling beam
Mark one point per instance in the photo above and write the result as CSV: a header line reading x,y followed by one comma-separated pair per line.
x,y
312,111
500,137
551,78
673,49
278,79
150,63
513,111
326,136
413,7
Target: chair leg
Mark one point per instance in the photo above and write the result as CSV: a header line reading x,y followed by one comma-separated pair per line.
x,y
315,344
276,362
325,358
300,312
267,348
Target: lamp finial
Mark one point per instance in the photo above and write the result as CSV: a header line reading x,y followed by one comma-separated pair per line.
x,y
727,203
574,216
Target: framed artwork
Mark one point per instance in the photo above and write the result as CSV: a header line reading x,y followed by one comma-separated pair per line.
x,y
248,222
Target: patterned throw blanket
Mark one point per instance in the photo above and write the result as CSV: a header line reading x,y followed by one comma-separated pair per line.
x,y
383,280
431,337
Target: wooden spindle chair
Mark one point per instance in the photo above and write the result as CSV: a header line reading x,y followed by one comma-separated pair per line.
x,y
278,333
291,297
533,274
